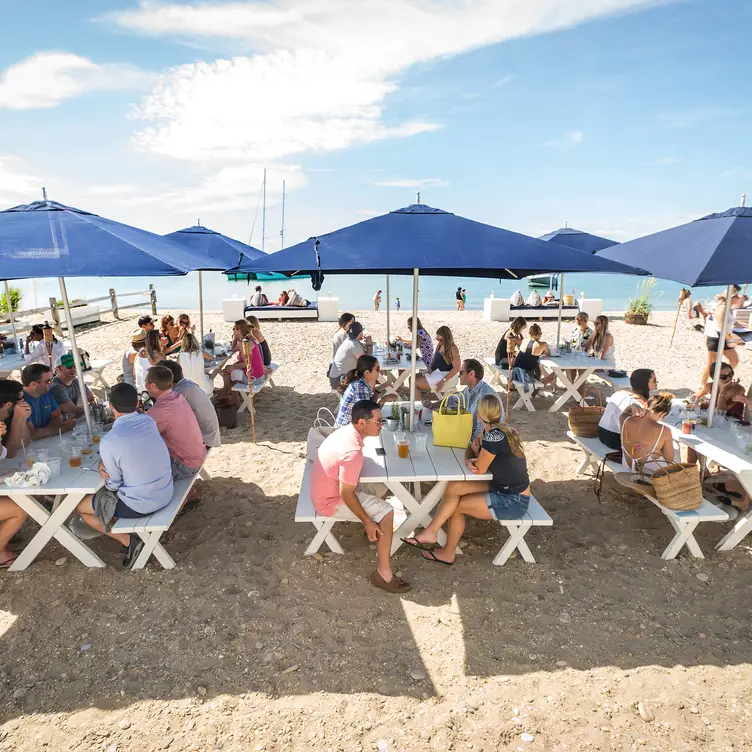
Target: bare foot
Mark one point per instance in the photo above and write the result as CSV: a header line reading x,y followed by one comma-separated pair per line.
x,y
425,536
440,554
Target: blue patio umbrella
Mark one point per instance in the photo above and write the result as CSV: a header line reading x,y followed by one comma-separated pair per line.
x,y
221,252
577,239
436,242
48,239
712,250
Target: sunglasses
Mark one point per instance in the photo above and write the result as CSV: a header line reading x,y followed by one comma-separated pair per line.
x,y
380,421
725,376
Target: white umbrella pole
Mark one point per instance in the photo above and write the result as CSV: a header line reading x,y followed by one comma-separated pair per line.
x,y
387,308
201,307
561,303
12,317
414,354
719,357
76,355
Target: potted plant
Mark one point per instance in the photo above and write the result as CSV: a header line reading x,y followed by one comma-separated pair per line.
x,y
639,308
392,422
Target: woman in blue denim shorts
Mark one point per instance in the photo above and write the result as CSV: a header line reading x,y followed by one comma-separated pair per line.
x,y
499,452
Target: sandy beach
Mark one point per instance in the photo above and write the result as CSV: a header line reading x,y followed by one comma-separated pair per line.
x,y
246,645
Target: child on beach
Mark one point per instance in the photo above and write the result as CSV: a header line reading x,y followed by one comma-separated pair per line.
x,y
397,303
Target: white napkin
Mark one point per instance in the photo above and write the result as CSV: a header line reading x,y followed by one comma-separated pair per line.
x,y
38,475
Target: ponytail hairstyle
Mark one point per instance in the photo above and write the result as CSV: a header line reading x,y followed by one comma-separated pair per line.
x,y
243,327
660,403
639,380
365,363
489,411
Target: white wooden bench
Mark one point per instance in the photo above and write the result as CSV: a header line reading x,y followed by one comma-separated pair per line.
x,y
151,527
535,515
304,512
500,378
615,381
257,385
684,523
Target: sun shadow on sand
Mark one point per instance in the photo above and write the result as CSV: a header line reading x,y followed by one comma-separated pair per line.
x,y
242,612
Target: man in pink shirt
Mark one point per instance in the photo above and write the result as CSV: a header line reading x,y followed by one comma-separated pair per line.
x,y
177,424
335,492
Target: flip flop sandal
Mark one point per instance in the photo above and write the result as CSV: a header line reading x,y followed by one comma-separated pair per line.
x,y
8,562
395,585
431,556
415,543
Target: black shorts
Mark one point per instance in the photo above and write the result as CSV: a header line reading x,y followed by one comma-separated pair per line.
x,y
712,344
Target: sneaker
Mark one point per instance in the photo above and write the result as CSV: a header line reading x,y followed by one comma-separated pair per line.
x,y
131,551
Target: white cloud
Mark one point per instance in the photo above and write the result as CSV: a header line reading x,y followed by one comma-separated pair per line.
x,y
16,185
45,79
318,72
417,184
569,139
503,81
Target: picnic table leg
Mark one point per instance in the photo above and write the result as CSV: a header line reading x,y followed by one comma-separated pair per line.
x,y
324,535
743,526
52,526
515,541
153,546
684,536
570,388
590,462
418,513
525,399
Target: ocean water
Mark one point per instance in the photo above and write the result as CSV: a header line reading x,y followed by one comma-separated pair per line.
x,y
355,292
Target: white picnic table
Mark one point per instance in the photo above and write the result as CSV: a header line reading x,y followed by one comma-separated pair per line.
x,y
10,363
222,354
68,489
96,372
396,371
719,445
585,367
436,465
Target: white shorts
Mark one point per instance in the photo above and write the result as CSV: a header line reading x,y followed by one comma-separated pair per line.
x,y
374,507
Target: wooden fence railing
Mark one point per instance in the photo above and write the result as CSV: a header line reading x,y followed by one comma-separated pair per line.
x,y
52,311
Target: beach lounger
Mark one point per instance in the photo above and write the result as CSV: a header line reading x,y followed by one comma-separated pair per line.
x,y
684,523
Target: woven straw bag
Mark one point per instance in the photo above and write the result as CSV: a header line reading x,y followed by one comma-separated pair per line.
x,y
678,487
584,419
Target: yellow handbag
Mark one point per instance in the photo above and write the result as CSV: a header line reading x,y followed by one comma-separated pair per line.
x,y
452,427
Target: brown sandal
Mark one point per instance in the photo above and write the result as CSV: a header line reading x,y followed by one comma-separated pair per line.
x,y
395,585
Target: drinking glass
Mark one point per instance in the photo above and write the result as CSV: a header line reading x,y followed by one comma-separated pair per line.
x,y
54,464
420,442
74,455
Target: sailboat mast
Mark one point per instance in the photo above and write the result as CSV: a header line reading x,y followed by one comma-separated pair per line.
x,y
263,215
282,231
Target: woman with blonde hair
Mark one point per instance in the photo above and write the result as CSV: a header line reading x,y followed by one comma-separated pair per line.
x,y
505,497
445,365
236,371
266,353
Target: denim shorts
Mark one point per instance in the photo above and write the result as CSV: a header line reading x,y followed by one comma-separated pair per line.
x,y
506,506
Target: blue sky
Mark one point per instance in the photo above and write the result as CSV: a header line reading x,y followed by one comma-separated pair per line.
x,y
524,115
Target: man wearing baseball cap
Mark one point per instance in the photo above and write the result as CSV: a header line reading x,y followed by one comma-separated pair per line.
x,y
65,387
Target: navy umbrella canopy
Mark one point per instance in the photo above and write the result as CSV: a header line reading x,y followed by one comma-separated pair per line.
x,y
222,252
437,242
48,239
713,250
579,240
